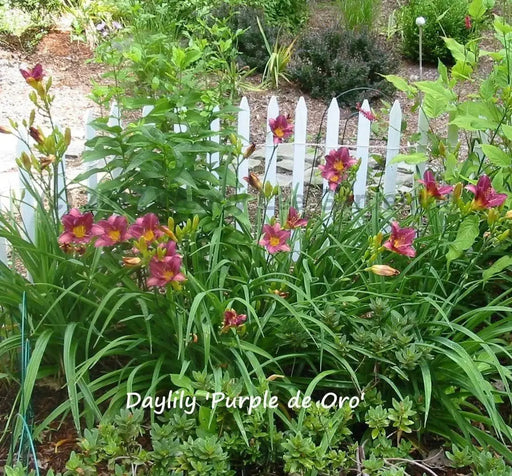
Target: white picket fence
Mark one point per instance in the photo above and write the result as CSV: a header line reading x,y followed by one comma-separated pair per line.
x,y
361,150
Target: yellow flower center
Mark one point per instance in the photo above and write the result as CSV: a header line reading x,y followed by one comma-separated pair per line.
x,y
115,235
338,165
79,231
168,275
149,235
274,241
278,132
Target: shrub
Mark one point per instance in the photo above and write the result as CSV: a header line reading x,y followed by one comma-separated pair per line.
x,y
333,62
444,18
251,43
290,14
37,7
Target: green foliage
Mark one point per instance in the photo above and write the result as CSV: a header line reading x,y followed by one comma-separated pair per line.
x,y
251,43
36,7
333,63
443,18
359,14
290,14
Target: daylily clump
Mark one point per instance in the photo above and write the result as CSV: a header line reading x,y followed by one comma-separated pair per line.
x,y
337,163
281,128
400,240
485,195
146,238
274,238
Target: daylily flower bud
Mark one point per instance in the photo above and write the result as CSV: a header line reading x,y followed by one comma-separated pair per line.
x,y
36,134
273,377
492,216
4,130
24,161
131,261
383,270
67,137
457,192
268,190
254,181
46,161
233,139
249,151
504,235
508,215
195,223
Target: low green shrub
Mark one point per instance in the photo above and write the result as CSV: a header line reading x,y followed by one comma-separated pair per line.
x,y
443,18
251,44
333,62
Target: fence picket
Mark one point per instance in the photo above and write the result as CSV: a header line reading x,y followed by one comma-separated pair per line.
x,y
62,199
393,147
423,139
299,152
271,154
28,201
114,119
244,121
299,162
90,133
3,241
362,152
331,142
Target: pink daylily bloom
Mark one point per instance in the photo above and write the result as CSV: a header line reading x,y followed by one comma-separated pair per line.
x,y
147,227
293,221
169,247
433,189
280,128
485,195
33,75
274,239
400,240
336,164
111,231
162,272
77,227
368,114
232,319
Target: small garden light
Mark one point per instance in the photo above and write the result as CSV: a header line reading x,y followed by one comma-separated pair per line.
x,y
420,22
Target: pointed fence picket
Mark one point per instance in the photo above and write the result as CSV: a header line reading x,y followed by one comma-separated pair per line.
x,y
362,153
271,153
331,142
395,124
